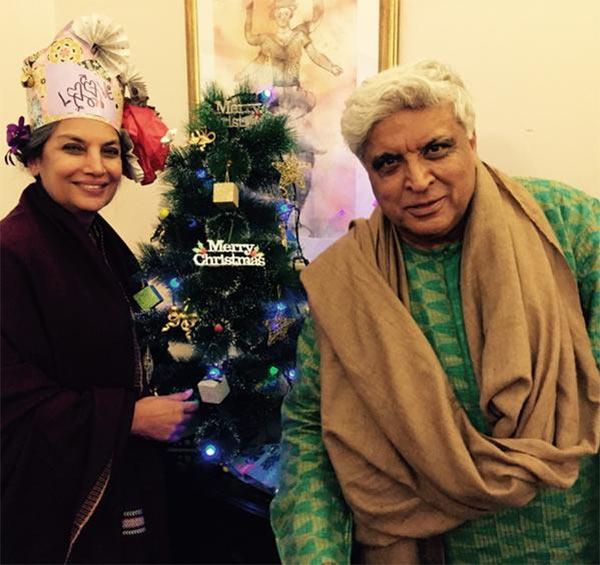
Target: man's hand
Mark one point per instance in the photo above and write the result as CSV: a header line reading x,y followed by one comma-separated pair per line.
x,y
163,418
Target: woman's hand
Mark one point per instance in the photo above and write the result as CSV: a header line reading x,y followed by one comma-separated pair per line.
x,y
163,418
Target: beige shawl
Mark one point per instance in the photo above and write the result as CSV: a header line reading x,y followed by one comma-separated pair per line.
x,y
410,463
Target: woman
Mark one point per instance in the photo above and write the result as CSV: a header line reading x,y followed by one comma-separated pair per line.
x,y
81,479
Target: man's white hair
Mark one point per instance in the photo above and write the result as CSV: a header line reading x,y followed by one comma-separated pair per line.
x,y
414,86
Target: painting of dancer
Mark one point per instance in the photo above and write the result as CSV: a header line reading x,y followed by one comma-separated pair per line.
x,y
304,52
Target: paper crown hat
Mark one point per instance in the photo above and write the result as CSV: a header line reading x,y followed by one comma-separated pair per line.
x,y
85,73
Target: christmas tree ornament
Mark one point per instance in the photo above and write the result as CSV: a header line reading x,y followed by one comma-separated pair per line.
x,y
163,213
181,318
239,114
278,328
221,254
213,391
201,138
209,451
226,194
264,96
292,171
283,235
299,263
285,209
218,328
202,173
148,297
181,351
291,375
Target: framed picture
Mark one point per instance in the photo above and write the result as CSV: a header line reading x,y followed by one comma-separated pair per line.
x,y
309,55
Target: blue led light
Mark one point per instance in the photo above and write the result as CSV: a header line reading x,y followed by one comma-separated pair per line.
x,y
280,307
192,223
214,372
174,283
210,451
264,95
201,174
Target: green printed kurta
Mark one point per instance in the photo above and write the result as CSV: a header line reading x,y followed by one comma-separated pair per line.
x,y
311,520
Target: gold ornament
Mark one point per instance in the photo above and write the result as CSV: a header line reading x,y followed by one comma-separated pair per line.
x,y
278,328
283,234
299,263
226,194
178,317
202,138
292,172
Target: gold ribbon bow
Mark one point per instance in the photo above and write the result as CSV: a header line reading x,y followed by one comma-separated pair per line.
x,y
180,318
202,138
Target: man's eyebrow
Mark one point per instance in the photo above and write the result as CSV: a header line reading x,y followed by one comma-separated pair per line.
x,y
445,139
385,158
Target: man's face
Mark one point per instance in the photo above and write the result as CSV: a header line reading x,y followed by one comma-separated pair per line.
x,y
282,16
422,169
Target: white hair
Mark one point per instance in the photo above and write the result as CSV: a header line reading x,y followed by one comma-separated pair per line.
x,y
414,86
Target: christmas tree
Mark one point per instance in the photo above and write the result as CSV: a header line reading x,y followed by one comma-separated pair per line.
x,y
226,248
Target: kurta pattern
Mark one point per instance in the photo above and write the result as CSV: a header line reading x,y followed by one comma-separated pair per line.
x,y
310,517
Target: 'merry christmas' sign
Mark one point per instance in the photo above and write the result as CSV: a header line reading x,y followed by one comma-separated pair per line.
x,y
221,254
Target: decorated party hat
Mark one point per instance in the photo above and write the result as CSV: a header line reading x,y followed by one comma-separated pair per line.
x,y
85,73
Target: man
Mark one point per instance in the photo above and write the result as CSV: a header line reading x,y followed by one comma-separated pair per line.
x,y
283,49
448,404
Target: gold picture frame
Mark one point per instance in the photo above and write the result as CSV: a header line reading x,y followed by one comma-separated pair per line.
x,y
389,43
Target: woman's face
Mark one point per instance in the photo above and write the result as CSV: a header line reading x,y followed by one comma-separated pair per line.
x,y
80,165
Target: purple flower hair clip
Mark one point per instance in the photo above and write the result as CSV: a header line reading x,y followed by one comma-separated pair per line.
x,y
17,135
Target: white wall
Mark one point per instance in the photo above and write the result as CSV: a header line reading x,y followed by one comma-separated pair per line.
x,y
532,66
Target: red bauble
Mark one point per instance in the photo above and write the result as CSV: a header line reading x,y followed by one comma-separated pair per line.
x,y
218,328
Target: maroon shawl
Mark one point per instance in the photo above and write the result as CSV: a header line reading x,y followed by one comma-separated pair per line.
x,y
68,380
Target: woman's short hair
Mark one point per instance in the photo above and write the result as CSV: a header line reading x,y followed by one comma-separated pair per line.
x,y
35,145
415,86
